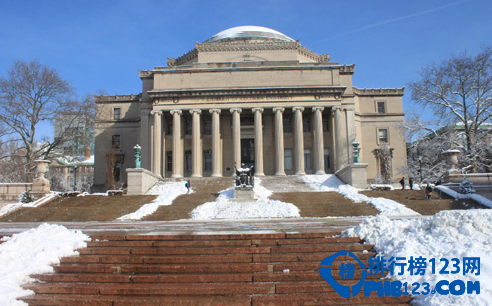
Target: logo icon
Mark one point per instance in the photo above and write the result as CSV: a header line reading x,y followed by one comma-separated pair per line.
x,y
347,271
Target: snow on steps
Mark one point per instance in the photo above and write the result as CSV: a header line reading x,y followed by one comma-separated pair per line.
x,y
235,269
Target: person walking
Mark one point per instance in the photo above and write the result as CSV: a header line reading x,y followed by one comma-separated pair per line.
x,y
428,192
402,182
410,182
188,185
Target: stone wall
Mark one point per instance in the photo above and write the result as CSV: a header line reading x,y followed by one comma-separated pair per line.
x,y
12,191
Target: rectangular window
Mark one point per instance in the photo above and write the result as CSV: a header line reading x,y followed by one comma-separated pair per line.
x,y
383,135
207,160
307,159
207,126
188,126
381,105
116,142
288,159
188,161
327,158
169,126
169,161
287,124
306,124
116,113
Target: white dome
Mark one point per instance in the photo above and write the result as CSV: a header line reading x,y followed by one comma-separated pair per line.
x,y
248,32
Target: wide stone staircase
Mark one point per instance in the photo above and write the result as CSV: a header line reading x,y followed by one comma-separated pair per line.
x,y
218,269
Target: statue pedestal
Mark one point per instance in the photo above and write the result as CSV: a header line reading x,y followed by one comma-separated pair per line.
x,y
244,194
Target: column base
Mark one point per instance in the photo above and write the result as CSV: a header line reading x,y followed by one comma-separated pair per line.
x,y
196,175
300,173
176,176
259,174
320,172
216,175
280,174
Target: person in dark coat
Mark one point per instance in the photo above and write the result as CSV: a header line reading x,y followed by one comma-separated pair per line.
x,y
402,182
428,192
410,182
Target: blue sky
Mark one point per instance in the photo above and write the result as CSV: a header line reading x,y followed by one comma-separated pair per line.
x,y
100,45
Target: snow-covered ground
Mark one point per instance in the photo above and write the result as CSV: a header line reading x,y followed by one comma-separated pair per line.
x,y
473,196
448,234
31,252
167,191
11,207
225,208
330,182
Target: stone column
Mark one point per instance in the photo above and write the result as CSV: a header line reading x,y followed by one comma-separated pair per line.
x,y
196,150
319,152
339,155
236,136
216,154
156,163
177,149
279,141
349,121
258,141
144,138
298,141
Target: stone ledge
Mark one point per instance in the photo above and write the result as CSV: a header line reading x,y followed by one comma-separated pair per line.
x,y
354,175
140,180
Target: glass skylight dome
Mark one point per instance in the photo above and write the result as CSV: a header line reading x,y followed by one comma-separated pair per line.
x,y
248,32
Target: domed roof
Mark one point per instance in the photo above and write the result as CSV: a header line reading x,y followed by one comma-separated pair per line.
x,y
248,32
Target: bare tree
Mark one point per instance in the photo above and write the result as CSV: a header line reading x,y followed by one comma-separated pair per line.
x,y
459,91
33,93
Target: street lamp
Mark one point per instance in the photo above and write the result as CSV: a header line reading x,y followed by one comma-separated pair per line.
x,y
75,178
420,165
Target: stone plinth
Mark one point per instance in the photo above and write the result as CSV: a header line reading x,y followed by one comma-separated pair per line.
x,y
140,180
354,175
244,194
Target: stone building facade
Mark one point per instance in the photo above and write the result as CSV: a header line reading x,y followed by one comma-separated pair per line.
x,y
248,95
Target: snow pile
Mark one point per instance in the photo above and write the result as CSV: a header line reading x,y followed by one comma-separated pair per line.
x,y
225,208
167,191
33,252
329,182
449,234
473,196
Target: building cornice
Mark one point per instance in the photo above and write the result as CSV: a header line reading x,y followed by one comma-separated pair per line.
x,y
117,98
248,47
332,90
379,91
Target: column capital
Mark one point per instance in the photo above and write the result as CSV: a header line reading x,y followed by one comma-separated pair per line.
x,y
349,108
235,109
257,109
198,111
156,112
298,108
176,111
336,108
280,109
316,108
215,110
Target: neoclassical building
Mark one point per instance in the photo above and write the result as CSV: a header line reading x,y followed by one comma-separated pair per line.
x,y
248,95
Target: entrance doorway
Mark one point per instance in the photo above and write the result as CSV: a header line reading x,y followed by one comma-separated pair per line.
x,y
248,152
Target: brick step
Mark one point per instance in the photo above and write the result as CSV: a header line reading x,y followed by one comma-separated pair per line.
x,y
293,276
188,268
329,298
88,300
195,259
225,250
202,289
221,242
146,278
216,236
